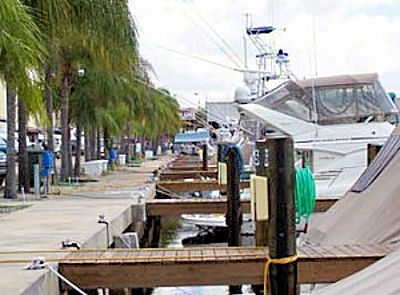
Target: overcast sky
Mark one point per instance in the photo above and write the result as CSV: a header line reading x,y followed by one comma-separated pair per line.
x,y
352,36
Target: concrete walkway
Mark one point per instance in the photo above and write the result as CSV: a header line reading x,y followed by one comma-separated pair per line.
x,y
72,215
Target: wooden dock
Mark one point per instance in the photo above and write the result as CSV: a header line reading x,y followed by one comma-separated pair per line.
x,y
196,185
180,175
163,207
117,269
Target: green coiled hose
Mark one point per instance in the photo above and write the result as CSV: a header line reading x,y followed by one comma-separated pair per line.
x,y
305,193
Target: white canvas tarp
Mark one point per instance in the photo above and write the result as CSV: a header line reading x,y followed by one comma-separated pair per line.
x,y
382,277
368,217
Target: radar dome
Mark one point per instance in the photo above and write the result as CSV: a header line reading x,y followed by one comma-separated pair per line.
x,y
242,94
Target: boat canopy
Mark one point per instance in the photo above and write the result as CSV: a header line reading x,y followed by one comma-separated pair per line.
x,y
191,137
260,30
338,100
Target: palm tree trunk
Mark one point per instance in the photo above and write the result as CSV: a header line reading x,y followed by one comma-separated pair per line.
x,y
64,122
87,145
98,143
23,175
69,152
78,151
10,191
106,143
50,109
92,139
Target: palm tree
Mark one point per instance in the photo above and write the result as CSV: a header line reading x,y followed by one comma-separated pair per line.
x,y
21,52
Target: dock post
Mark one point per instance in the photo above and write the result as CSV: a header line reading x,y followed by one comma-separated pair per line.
x,y
281,227
205,160
234,214
220,159
274,159
233,218
220,151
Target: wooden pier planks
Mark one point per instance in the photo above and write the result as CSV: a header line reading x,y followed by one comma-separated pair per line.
x,y
212,266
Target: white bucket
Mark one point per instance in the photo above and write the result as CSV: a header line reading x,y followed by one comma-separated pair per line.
x,y
148,154
122,160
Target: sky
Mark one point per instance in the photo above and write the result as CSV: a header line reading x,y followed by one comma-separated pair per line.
x,y
322,37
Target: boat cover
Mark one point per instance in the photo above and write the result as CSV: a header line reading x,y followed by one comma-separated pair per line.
x,y
382,277
191,137
373,213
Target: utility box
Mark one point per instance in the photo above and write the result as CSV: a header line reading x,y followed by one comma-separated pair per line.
x,y
34,157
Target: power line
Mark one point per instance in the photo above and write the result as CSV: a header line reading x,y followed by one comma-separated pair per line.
x,y
227,54
214,31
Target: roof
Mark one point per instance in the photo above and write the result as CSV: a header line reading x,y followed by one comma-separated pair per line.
x,y
191,137
222,112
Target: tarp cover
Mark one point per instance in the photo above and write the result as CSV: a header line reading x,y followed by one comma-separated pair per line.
x,y
381,277
369,217
191,137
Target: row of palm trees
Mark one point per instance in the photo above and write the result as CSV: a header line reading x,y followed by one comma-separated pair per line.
x,y
78,58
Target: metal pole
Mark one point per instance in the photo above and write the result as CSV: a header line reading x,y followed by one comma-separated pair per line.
x,y
234,215
281,227
36,179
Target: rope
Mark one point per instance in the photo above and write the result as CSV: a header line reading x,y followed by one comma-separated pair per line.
x,y
284,260
239,156
305,193
72,285
40,263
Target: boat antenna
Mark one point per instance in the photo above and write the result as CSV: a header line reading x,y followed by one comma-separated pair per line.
x,y
313,80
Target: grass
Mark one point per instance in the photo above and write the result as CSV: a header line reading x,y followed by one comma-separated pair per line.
x,y
169,231
12,208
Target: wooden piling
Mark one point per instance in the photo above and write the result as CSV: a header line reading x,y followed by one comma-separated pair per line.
x,y
233,217
205,158
220,151
234,214
307,159
281,227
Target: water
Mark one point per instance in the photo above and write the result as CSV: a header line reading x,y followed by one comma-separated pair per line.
x,y
186,231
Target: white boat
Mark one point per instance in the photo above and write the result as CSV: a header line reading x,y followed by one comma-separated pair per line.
x,y
204,220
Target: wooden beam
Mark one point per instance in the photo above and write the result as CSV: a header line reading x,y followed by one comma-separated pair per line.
x,y
196,185
190,206
324,204
211,266
207,206
179,175
190,167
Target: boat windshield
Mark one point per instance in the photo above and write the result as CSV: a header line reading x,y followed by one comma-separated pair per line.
x,y
338,100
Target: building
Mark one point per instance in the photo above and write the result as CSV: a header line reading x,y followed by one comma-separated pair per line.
x,y
222,113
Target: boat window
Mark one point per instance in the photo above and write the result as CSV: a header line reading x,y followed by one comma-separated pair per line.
x,y
336,102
